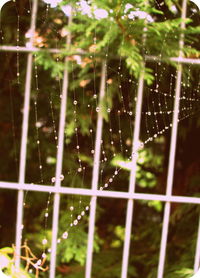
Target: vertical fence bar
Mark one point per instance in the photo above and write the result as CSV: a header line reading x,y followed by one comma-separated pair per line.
x,y
95,175
197,254
170,175
132,181
129,213
59,161
23,149
172,154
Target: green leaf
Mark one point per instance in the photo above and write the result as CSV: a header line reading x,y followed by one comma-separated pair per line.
x,y
7,250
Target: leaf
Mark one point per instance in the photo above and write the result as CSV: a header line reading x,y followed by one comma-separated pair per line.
x,y
7,250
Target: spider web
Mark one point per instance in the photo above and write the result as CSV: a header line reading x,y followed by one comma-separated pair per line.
x,y
83,106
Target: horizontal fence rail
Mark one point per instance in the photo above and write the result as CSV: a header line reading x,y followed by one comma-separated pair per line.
x,y
100,193
27,49
92,192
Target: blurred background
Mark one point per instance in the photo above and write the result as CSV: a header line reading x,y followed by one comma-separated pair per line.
x,y
110,31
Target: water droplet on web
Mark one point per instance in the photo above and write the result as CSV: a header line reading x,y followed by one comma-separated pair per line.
x,y
44,241
53,179
75,222
61,177
44,255
141,146
65,235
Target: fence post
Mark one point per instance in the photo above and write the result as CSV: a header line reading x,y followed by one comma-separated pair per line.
x,y
59,160
23,149
172,154
95,175
129,213
197,254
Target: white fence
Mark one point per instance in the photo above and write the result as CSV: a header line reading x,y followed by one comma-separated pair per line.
x,y
130,196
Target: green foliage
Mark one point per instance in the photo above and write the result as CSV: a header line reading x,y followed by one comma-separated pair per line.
x,y
48,62
74,248
124,36
119,232
148,167
184,272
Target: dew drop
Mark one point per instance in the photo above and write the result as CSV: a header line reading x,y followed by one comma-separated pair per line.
x,y
141,145
75,222
65,235
53,179
61,177
44,255
44,241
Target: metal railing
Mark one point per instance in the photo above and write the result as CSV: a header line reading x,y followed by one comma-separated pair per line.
x,y
130,196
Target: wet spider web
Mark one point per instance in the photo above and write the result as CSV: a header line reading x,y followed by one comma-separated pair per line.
x,y
117,108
